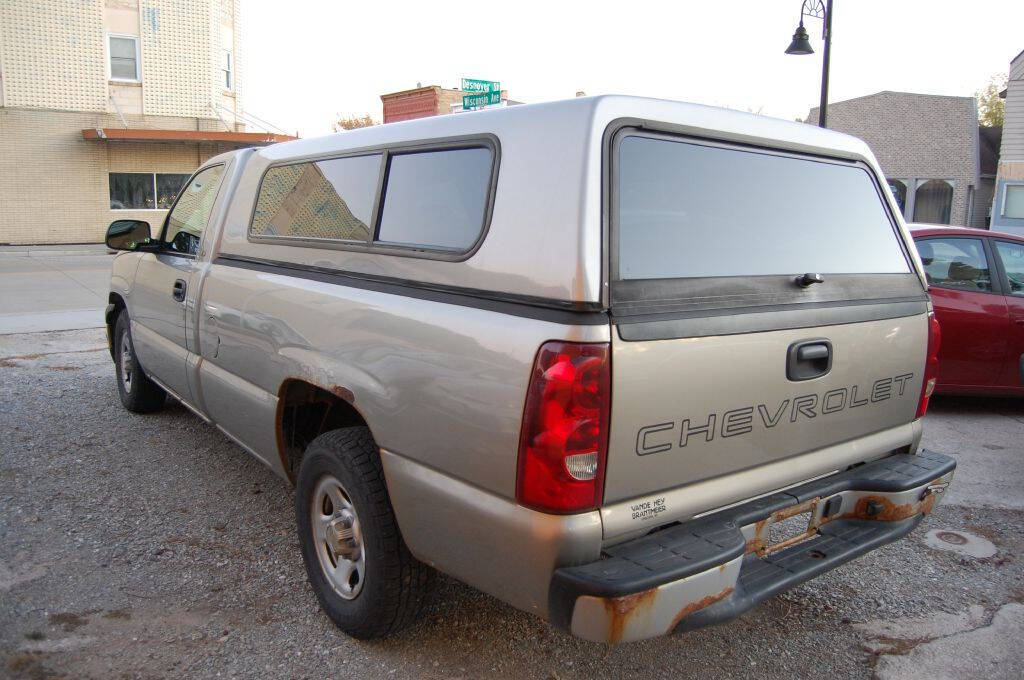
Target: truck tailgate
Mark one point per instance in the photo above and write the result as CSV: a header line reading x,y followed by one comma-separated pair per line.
x,y
689,409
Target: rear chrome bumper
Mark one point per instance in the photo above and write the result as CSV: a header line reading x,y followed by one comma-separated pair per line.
x,y
712,569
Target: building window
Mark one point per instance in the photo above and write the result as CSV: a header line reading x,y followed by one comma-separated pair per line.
x,y
899,191
933,201
167,187
1013,201
226,66
124,57
144,190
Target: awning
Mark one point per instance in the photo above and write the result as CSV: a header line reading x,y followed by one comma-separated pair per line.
x,y
148,135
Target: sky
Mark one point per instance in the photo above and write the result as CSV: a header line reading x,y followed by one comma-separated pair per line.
x,y
310,61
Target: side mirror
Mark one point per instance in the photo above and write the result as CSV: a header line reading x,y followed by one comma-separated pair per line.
x,y
127,234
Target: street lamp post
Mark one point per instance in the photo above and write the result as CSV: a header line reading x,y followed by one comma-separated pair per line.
x,y
802,45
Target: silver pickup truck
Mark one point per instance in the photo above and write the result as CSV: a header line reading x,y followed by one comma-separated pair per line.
x,y
631,365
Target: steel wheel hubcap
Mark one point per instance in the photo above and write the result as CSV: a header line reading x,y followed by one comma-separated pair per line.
x,y
127,370
337,537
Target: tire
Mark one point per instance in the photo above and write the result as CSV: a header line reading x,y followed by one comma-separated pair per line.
x,y
373,587
138,393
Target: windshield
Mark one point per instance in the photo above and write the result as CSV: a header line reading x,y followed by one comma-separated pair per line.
x,y
692,210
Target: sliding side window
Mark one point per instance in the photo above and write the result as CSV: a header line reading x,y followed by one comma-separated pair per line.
x,y
330,199
436,199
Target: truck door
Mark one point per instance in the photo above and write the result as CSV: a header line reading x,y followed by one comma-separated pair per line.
x,y
157,303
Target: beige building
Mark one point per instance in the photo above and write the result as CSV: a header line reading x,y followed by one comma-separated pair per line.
x,y
929,148
107,106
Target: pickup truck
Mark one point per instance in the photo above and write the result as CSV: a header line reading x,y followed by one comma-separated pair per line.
x,y
631,365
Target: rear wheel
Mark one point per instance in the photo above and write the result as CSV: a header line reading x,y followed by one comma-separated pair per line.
x,y
138,393
361,571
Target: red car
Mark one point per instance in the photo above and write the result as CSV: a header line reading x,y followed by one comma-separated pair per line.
x,y
976,281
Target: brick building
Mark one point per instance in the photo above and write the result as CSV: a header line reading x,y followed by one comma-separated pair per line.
x,y
928,147
107,106
421,102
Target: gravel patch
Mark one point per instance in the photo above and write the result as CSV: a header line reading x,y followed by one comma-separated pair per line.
x,y
151,546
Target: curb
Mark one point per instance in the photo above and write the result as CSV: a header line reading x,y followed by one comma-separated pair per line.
x,y
52,253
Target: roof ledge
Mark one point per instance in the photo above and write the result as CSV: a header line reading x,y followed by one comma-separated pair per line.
x,y
150,135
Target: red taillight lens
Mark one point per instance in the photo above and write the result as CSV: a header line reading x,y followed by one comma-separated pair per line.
x,y
931,364
564,440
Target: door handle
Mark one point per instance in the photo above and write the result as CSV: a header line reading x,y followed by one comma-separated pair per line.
x,y
178,292
807,359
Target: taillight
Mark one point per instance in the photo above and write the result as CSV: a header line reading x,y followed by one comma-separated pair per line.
x,y
564,439
931,364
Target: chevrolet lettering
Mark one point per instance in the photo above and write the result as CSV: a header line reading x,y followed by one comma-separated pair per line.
x,y
741,421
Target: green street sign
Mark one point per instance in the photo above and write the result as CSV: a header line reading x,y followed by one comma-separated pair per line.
x,y
480,86
471,101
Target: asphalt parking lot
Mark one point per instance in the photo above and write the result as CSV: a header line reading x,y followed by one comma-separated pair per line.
x,y
151,547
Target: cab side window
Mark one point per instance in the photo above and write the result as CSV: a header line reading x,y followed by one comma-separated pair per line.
x,y
957,263
190,214
1012,257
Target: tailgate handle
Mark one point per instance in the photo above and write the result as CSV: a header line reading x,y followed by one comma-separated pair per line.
x,y
807,359
812,352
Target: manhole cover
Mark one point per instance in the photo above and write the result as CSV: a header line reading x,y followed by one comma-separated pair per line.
x,y
952,537
960,542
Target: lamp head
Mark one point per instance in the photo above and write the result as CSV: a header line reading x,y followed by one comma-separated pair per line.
x,y
801,42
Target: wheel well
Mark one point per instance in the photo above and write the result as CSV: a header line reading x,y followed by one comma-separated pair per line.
x,y
304,412
111,318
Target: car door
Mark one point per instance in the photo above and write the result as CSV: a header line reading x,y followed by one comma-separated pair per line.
x,y
970,308
1010,257
157,301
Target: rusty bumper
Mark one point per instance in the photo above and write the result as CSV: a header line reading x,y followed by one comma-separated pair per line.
x,y
712,569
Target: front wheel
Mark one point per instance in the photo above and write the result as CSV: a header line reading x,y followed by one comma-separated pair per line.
x,y
138,393
361,571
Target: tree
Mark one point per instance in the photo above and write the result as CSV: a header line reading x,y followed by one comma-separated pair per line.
x,y
990,106
353,122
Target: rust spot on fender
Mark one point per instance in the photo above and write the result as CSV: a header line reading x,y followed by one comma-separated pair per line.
x,y
621,609
344,393
698,605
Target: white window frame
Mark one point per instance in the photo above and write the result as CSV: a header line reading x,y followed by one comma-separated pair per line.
x,y
1006,194
138,58
229,71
